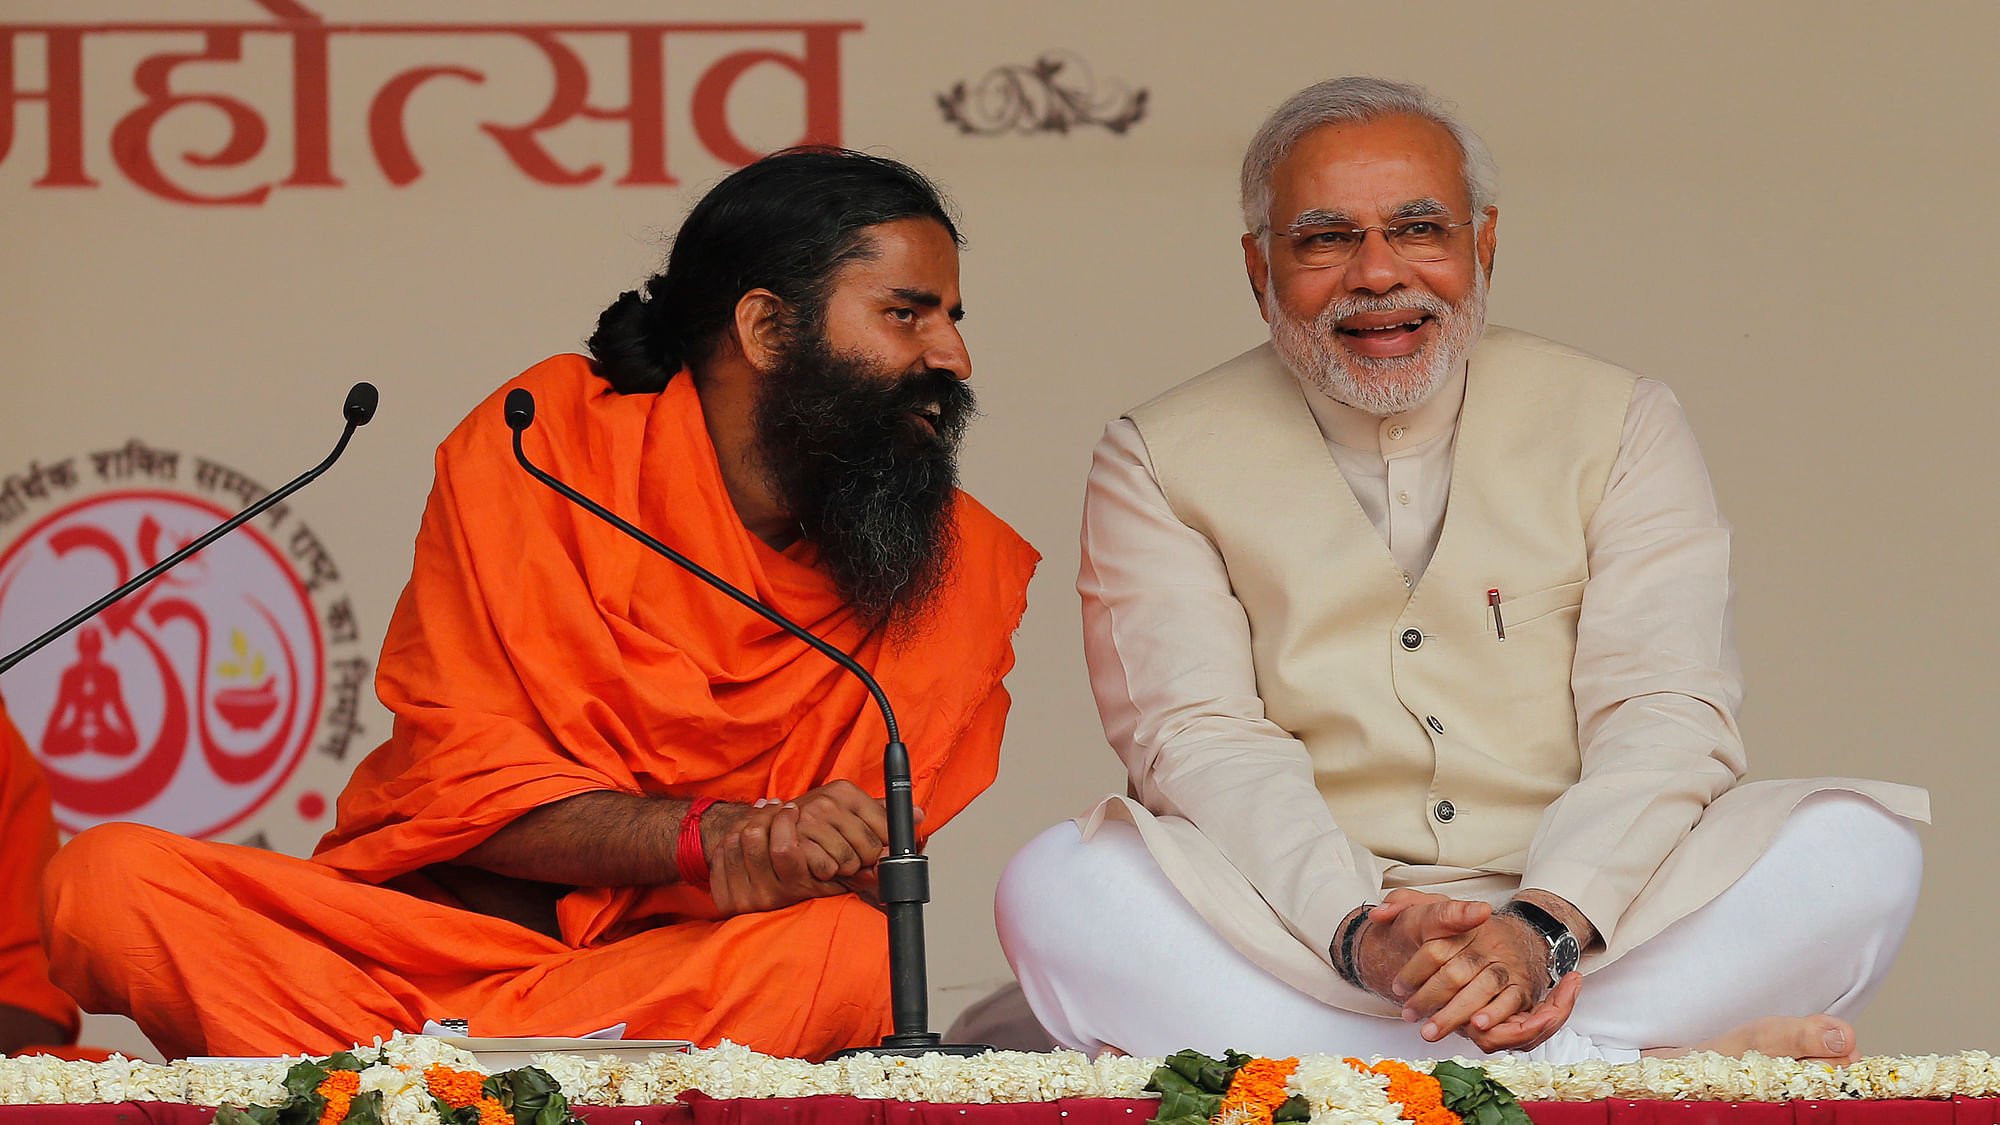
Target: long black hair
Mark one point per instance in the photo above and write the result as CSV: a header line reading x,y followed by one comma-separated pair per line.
x,y
786,223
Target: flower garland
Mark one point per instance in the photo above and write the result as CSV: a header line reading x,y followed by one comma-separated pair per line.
x,y
346,1089
397,1076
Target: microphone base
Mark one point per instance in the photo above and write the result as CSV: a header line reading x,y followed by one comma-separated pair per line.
x,y
912,1046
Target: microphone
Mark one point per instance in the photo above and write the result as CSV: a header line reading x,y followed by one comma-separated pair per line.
x,y
905,873
359,409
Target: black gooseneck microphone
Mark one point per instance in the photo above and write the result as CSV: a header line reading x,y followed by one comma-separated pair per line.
x,y
905,873
358,410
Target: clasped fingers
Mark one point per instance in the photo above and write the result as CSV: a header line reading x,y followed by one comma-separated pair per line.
x,y
1490,994
1438,968
844,823
763,863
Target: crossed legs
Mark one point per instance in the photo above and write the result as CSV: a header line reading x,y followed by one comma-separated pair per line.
x,y
1109,955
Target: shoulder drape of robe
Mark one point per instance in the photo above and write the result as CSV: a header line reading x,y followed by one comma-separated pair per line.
x,y
539,653
27,840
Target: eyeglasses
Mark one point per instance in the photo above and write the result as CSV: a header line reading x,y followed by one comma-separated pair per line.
x,y
1327,245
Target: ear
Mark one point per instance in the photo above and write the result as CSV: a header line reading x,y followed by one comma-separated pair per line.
x,y
1258,266
760,325
1488,240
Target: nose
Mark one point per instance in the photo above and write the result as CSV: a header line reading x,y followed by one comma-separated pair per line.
x,y
1375,267
946,351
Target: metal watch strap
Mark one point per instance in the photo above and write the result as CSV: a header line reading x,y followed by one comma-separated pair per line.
x,y
1564,949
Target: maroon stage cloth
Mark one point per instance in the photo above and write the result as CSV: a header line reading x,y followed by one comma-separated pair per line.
x,y
701,1110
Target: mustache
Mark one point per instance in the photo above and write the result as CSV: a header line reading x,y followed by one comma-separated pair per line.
x,y
928,387
1343,307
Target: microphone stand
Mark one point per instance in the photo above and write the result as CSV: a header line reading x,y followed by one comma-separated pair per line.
x,y
358,409
905,873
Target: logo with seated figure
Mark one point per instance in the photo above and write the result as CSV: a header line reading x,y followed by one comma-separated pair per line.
x,y
222,700
188,704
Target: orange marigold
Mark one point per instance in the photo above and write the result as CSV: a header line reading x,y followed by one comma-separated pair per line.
x,y
1256,1091
455,1088
491,1112
338,1088
1418,1093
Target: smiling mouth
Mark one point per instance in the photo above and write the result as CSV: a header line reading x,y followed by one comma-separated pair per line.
x,y
1385,329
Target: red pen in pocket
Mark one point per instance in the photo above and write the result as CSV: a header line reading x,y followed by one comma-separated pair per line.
x,y
1499,626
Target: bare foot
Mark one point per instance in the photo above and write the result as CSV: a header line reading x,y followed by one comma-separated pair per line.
x,y
1820,1038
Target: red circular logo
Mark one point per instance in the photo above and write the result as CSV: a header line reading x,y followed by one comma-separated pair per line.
x,y
188,704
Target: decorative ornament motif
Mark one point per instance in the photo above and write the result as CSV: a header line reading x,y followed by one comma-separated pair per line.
x,y
1054,94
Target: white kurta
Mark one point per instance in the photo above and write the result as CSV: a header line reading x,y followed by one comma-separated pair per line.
x,y
1171,662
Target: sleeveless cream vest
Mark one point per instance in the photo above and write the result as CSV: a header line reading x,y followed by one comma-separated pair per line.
x,y
1433,741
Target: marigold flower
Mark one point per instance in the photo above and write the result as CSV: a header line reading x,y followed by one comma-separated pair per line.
x,y
1418,1093
455,1088
491,1112
1256,1091
338,1088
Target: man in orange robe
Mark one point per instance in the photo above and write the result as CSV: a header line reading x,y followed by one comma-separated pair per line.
x,y
532,849
33,1012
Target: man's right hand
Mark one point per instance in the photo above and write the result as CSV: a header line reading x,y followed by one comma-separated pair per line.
x,y
773,856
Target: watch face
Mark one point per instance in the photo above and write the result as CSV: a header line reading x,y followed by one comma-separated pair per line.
x,y
1562,957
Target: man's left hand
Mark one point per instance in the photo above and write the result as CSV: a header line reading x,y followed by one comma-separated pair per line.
x,y
1489,986
1497,973
1524,1031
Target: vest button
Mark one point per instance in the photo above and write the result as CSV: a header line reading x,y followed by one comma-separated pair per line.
x,y
1432,722
1413,639
1444,812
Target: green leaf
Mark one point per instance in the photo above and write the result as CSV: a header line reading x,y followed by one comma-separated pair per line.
x,y
343,1060
1214,1078
247,1115
1203,1106
1167,1078
1189,1064
1473,1094
1295,1108
303,1079
365,1110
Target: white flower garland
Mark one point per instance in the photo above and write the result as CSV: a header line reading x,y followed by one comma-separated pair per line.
x,y
1339,1094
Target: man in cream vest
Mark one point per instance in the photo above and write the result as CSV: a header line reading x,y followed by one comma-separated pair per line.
x,y
1414,636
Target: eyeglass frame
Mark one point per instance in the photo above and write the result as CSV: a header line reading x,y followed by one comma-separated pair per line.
x,y
1291,233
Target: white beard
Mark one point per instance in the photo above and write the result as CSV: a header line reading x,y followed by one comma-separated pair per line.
x,y
1372,385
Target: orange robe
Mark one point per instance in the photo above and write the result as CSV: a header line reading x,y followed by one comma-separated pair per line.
x,y
27,840
537,654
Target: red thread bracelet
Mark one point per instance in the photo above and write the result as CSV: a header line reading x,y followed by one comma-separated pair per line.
x,y
689,855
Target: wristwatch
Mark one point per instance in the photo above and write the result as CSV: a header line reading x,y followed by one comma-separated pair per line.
x,y
1563,947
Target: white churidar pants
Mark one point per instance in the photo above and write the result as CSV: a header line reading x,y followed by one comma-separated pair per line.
x,y
1109,954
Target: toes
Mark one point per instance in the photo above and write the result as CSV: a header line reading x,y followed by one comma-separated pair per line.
x,y
1826,1037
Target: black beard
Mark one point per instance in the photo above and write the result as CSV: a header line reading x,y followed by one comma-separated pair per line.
x,y
871,486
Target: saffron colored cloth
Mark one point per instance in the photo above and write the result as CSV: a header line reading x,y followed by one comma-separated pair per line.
x,y
538,654
27,840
